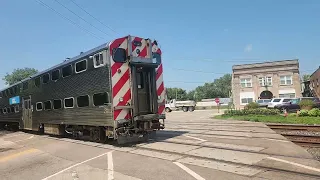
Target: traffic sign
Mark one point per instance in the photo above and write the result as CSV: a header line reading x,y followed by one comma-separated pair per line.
x,y
217,100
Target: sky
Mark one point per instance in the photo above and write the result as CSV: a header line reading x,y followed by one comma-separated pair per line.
x,y
200,40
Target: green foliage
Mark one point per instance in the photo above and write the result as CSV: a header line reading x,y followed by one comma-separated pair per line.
x,y
314,112
252,105
306,77
18,75
176,93
303,113
306,103
218,88
273,119
292,114
257,111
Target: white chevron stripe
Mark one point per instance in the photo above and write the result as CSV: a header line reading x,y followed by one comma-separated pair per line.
x,y
121,93
122,114
116,77
159,81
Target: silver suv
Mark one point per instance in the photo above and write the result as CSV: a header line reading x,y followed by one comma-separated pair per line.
x,y
263,102
276,101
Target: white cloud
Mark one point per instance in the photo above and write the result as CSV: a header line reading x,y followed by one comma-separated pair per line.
x,y
248,48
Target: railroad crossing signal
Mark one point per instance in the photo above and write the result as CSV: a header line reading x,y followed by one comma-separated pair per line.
x,y
217,100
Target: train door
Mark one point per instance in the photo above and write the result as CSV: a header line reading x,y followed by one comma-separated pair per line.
x,y
145,90
27,113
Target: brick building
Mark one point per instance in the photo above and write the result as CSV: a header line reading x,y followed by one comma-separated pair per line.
x,y
315,83
265,81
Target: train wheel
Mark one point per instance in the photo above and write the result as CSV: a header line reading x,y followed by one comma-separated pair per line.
x,y
184,109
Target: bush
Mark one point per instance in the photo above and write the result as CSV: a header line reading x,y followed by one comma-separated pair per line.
x,y
306,103
314,112
292,114
252,105
257,111
303,113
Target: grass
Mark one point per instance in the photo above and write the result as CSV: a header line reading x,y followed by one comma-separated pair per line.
x,y
211,107
273,119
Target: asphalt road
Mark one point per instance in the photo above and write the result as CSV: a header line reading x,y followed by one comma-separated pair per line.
x,y
193,146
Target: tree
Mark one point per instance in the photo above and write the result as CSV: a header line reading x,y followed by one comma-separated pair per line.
x,y
220,87
18,75
176,93
306,77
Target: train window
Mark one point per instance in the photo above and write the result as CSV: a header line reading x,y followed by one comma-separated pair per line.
x,y
100,99
81,66
11,91
25,85
140,80
57,104
8,110
45,78
98,60
39,106
55,75
4,111
67,71
69,102
1,94
83,101
37,81
16,108
47,105
12,109
15,89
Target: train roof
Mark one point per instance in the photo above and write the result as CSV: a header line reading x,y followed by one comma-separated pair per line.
x,y
61,64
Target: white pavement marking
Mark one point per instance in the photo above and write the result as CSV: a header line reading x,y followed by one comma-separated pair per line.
x,y
110,166
296,164
195,138
24,139
189,171
74,166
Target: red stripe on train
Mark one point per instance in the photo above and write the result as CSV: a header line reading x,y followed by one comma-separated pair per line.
x,y
115,68
116,43
126,98
159,72
117,87
160,89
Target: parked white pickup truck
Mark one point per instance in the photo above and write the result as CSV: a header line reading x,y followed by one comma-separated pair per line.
x,y
173,105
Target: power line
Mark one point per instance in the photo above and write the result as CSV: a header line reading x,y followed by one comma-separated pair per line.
x,y
92,16
74,23
81,18
198,71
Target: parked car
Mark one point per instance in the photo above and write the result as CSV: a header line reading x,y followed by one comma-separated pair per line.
x,y
276,101
263,102
293,105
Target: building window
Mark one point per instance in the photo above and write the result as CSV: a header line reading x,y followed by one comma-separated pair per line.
x,y
67,71
265,81
83,101
55,75
47,105
81,66
98,60
246,82
287,95
246,100
45,78
39,106
57,104
69,102
100,99
37,81
286,80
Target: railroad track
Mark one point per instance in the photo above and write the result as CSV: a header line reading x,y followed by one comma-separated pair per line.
x,y
305,140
